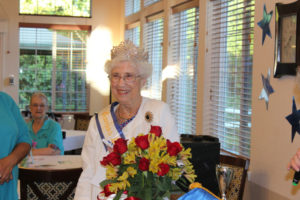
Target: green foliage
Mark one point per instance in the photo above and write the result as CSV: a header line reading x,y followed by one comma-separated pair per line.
x,y
63,77
77,8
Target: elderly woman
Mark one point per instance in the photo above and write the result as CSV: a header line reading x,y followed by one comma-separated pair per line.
x,y
15,145
45,133
129,116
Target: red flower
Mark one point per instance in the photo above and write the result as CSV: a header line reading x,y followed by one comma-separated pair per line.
x,y
156,130
173,148
120,146
132,198
106,190
144,164
105,161
142,141
163,169
113,158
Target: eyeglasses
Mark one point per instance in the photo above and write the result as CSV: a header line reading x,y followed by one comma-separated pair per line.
x,y
128,78
38,105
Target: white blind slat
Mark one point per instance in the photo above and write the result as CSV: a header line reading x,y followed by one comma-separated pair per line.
x,y
132,6
133,34
153,38
182,89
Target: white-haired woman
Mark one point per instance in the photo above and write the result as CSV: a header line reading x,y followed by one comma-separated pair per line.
x,y
45,133
129,116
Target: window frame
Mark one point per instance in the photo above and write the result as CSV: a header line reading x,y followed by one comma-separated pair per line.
x,y
59,27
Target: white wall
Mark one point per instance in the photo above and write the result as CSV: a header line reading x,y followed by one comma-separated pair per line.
x,y
271,146
107,30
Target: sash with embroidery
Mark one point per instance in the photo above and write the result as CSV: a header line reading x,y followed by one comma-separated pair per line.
x,y
108,127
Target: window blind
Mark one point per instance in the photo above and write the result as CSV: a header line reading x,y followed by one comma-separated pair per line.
x,y
182,89
54,62
132,6
152,41
230,27
133,34
149,2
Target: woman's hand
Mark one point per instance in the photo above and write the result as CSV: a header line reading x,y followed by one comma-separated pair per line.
x,y
50,150
295,161
7,163
6,166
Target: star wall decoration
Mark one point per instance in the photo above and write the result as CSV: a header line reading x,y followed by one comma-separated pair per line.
x,y
264,24
294,119
267,88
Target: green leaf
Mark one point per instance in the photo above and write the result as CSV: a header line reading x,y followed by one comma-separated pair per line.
x,y
105,182
118,195
148,194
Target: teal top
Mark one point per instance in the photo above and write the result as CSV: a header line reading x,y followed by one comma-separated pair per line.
x,y
13,131
50,133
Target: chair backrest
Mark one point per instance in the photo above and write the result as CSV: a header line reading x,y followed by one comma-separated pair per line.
x,y
240,167
81,121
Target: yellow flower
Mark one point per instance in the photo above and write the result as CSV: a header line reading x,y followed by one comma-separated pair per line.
x,y
123,177
131,171
115,187
171,160
130,158
111,172
185,154
190,177
175,173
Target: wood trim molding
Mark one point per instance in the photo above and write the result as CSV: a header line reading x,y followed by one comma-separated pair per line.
x,y
57,26
184,6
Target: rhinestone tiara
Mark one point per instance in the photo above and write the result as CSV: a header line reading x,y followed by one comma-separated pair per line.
x,y
128,50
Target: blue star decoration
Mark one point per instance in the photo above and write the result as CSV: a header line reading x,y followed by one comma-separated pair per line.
x,y
264,24
294,119
267,88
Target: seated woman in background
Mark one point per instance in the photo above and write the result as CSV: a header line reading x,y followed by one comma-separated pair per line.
x,y
45,133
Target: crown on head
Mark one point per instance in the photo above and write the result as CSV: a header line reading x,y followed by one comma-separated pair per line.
x,y
130,51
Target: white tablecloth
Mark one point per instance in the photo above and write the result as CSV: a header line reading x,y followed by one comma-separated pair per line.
x,y
53,162
74,139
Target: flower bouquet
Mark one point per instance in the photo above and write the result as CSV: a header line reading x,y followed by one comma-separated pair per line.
x,y
146,168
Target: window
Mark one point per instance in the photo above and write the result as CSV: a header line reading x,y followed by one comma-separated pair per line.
x,y
183,51
230,28
153,39
132,6
75,8
54,62
133,34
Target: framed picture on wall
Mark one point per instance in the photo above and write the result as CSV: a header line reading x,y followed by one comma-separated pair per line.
x,y
287,39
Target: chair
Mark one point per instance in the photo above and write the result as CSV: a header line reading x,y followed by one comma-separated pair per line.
x,y
48,184
240,167
82,121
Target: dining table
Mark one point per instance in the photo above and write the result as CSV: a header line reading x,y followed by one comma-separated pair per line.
x,y
49,177
73,139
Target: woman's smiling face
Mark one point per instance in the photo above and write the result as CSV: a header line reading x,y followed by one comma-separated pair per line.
x,y
38,107
126,83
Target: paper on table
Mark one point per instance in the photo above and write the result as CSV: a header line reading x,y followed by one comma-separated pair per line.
x,y
55,162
